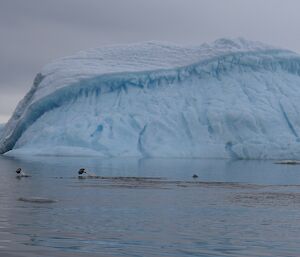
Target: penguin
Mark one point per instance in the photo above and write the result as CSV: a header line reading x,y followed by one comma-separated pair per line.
x,y
88,174
81,171
19,171
21,174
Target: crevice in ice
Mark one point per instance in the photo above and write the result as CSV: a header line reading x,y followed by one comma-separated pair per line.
x,y
140,142
231,153
187,128
97,131
288,121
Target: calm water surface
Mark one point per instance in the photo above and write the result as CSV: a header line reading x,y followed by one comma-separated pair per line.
x,y
149,207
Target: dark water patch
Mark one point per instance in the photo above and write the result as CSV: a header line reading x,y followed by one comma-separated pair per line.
x,y
268,198
36,200
22,176
142,182
121,178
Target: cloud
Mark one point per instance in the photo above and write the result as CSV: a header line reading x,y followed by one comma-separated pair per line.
x,y
8,101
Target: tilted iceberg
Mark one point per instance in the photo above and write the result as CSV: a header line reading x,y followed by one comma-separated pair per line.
x,y
228,99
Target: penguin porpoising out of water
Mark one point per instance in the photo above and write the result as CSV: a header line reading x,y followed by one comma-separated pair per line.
x,y
81,171
20,173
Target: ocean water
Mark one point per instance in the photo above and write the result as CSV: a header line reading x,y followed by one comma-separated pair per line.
x,y
149,207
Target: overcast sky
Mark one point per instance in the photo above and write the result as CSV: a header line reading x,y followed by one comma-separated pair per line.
x,y
34,32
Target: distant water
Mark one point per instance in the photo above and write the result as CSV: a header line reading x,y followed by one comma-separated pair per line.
x,y
149,207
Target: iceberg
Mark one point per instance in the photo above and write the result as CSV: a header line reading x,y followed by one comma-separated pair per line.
x,y
232,98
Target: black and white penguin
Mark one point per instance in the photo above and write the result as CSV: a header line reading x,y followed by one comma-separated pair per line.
x,y
20,173
81,171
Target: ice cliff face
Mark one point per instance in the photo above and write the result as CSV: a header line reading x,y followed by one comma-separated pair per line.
x,y
228,99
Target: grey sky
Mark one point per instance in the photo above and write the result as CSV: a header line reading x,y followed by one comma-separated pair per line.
x,y
34,32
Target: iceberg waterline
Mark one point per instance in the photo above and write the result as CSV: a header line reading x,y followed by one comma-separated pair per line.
x,y
230,99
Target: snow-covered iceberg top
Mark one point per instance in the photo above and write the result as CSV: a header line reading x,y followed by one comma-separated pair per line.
x,y
161,99
134,58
